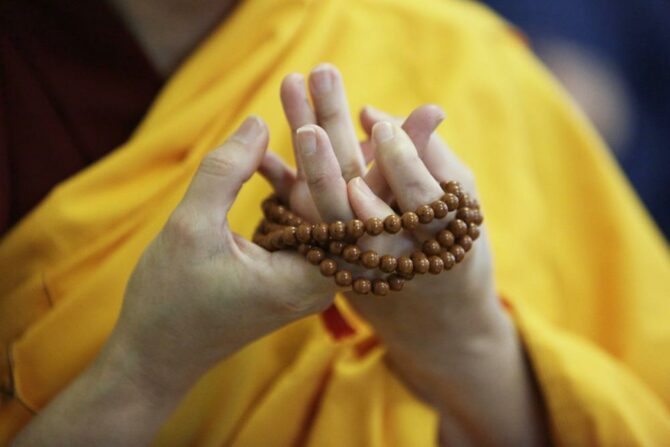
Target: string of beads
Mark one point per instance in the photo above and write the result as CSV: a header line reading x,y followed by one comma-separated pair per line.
x,y
324,244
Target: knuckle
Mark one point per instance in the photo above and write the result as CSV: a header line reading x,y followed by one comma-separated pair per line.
x,y
182,228
320,182
218,162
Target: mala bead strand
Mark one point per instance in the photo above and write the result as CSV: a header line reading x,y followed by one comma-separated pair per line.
x,y
281,229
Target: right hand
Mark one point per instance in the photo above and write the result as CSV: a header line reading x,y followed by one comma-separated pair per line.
x,y
199,291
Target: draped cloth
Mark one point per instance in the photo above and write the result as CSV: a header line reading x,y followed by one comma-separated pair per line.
x,y
582,267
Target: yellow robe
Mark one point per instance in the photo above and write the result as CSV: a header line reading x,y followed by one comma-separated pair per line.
x,y
583,268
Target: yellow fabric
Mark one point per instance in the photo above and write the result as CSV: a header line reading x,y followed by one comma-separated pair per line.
x,y
584,270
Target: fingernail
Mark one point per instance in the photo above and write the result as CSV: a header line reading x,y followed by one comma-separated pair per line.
x,y
306,137
383,131
322,78
248,130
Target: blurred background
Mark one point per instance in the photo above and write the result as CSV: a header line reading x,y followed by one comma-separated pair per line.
x,y
614,58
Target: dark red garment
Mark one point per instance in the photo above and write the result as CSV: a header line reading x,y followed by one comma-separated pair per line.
x,y
73,85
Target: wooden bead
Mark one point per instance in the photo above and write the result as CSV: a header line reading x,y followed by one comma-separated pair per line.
x,y
396,282
355,228
420,262
452,187
392,224
276,241
431,247
320,232
315,255
388,264
448,259
458,227
435,265
473,231
380,287
303,249
405,265
362,286
351,253
410,221
466,200
328,267
445,238
451,200
337,230
370,259
458,252
343,278
465,214
465,242
440,209
294,220
288,236
336,247
478,217
425,213
304,233
374,226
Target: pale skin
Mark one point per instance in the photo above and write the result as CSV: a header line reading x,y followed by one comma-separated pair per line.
x,y
205,292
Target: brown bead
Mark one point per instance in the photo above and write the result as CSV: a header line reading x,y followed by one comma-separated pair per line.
x,y
465,214
392,224
435,265
410,221
276,239
451,200
395,282
315,255
336,247
440,209
337,230
458,227
473,231
425,213
431,247
351,253
405,265
320,232
328,267
452,187
343,278
294,220
362,286
303,248
355,228
304,233
478,217
370,259
420,262
380,287
374,226
465,242
458,252
388,264
448,259
288,236
445,238
466,200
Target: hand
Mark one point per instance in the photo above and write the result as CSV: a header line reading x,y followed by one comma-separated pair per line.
x,y
447,335
200,291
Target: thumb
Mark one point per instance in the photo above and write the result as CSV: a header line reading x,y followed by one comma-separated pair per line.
x,y
223,171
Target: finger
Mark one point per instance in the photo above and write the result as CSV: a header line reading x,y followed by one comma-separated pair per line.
x,y
280,175
332,112
322,174
297,108
409,179
420,125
